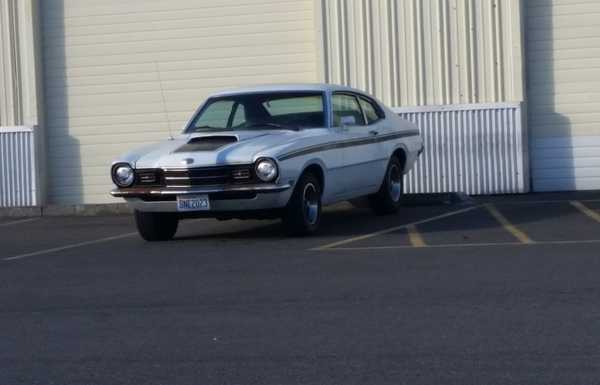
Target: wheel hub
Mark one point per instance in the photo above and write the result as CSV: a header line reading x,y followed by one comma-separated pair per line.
x,y
310,199
395,182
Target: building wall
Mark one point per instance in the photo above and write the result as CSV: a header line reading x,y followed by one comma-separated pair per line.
x,y
18,63
21,136
425,52
563,47
120,74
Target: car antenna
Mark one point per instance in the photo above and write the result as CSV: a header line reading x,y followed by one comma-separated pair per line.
x,y
164,101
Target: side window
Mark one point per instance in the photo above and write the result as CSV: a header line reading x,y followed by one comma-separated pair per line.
x,y
371,112
346,107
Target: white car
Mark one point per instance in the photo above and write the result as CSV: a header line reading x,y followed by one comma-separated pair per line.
x,y
280,151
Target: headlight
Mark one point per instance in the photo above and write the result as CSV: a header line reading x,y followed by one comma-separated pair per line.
x,y
266,170
123,175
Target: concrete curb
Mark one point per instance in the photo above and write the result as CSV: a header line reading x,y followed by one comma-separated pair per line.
x,y
87,210
20,212
423,200
436,199
66,210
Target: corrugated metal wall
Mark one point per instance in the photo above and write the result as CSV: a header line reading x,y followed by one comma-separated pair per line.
x,y
465,55
475,149
105,62
425,52
17,167
563,57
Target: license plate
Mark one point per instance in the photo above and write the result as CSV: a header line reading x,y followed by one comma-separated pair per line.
x,y
193,203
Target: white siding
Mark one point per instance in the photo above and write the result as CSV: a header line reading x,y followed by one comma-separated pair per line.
x,y
103,61
425,52
21,171
563,58
18,63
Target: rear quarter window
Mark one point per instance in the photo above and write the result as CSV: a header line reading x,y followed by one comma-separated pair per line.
x,y
372,112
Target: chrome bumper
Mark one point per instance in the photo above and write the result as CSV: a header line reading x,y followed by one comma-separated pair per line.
x,y
167,191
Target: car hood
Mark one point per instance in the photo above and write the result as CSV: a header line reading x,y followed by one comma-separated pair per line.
x,y
208,149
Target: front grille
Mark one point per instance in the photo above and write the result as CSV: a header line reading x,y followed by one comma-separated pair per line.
x,y
207,176
148,177
241,174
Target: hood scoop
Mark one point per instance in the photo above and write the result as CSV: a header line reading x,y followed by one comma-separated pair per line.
x,y
206,143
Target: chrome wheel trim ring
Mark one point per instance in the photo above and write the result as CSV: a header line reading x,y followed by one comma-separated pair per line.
x,y
395,183
310,203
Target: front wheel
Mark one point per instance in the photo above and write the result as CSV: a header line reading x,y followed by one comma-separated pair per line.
x,y
303,212
388,199
156,226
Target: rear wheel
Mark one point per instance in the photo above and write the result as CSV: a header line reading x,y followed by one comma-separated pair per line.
x,y
156,226
389,197
303,212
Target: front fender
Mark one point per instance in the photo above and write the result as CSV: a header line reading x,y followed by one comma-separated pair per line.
x,y
292,169
316,162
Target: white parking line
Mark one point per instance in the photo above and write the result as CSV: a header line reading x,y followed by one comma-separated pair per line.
x,y
17,222
586,210
68,247
394,229
458,245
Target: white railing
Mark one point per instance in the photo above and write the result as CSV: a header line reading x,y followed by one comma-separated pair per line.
x,y
18,185
477,149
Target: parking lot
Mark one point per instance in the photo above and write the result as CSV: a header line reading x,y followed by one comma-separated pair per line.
x,y
488,290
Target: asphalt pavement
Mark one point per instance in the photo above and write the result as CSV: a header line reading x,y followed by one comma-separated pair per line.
x,y
501,290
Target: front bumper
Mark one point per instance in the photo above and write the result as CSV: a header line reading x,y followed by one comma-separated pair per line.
x,y
222,198
169,191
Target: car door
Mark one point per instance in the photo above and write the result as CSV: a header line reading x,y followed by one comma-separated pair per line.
x,y
377,126
361,150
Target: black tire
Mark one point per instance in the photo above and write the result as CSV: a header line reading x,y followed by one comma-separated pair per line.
x,y
303,212
156,226
389,197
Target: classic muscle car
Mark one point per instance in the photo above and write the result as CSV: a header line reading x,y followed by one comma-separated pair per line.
x,y
280,151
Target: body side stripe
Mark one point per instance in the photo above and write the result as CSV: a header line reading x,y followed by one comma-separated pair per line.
x,y
346,143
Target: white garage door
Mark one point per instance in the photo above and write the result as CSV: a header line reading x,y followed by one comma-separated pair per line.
x,y
563,51
103,60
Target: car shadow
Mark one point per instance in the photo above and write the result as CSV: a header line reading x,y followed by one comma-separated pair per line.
x,y
340,220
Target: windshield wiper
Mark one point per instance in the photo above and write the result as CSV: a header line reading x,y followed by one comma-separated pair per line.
x,y
275,125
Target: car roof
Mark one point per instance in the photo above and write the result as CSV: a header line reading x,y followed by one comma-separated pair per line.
x,y
291,87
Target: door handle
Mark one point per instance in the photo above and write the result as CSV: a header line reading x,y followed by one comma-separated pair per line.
x,y
373,132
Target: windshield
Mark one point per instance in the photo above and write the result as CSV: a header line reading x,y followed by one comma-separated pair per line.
x,y
289,110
